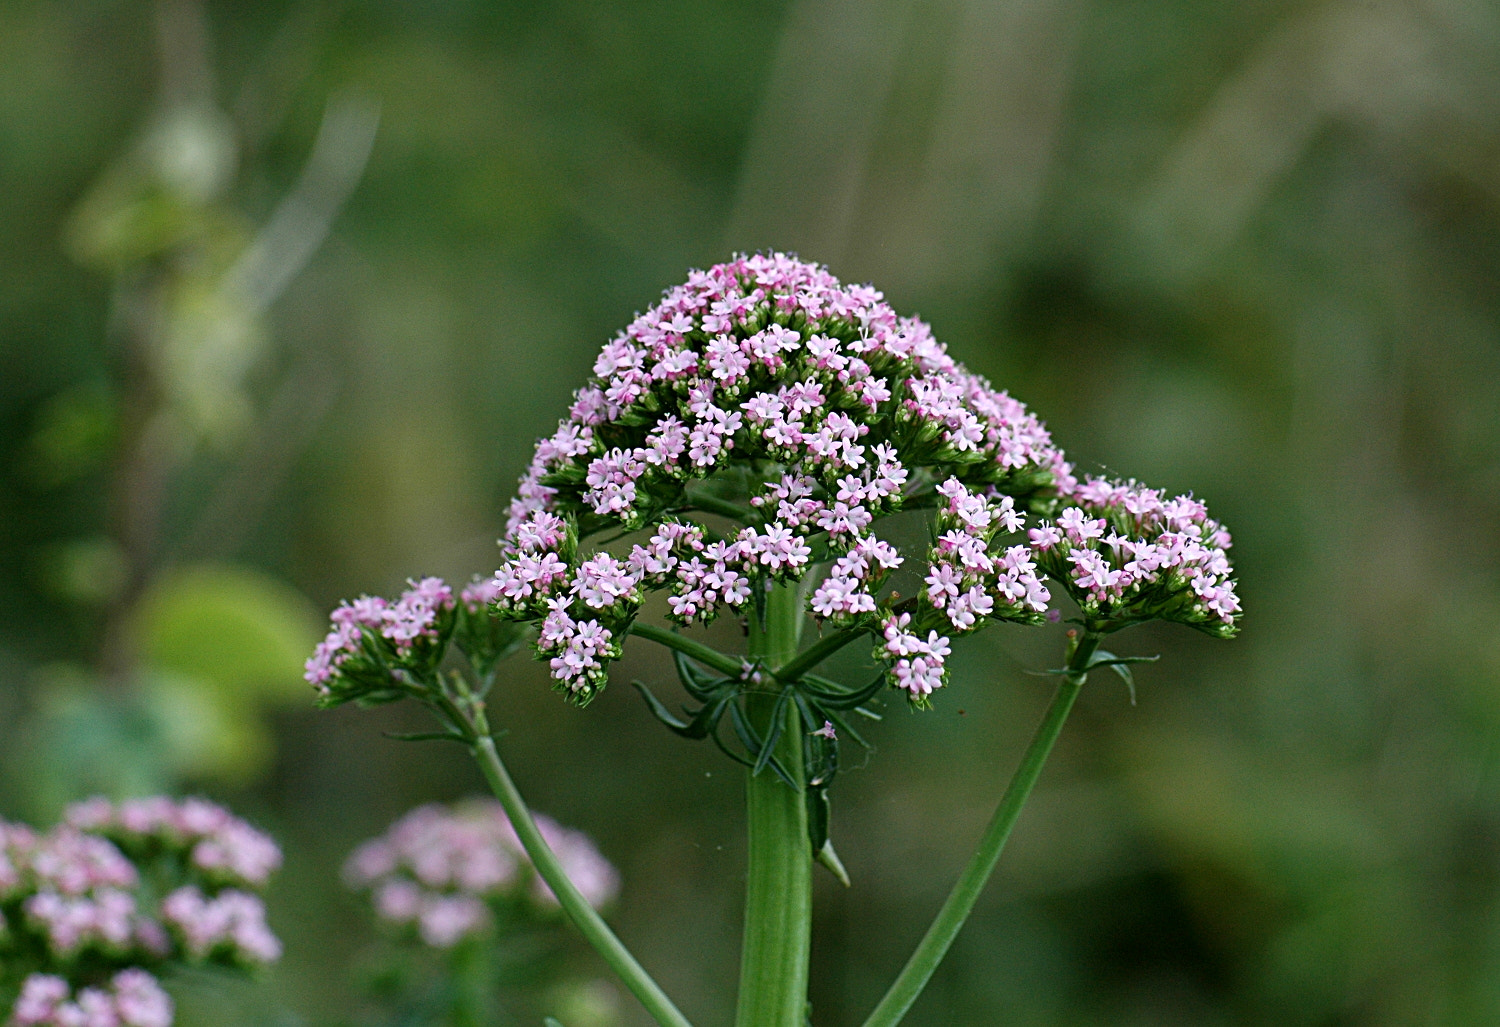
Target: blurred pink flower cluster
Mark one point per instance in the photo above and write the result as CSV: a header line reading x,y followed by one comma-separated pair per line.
x,y
132,998
122,889
445,870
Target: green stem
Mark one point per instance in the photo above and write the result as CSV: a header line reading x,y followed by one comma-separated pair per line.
x,y
817,653
705,655
473,981
778,886
934,944
577,907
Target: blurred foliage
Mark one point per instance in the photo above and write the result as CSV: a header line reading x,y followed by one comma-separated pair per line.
x,y
1244,249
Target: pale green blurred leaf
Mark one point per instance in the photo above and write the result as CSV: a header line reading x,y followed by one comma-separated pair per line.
x,y
83,740
236,630
207,733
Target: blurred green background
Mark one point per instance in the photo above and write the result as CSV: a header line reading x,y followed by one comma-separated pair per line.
x,y
288,290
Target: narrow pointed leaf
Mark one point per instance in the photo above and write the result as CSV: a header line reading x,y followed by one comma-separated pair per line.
x,y
706,717
725,749
778,720
751,741
659,711
699,684
837,696
817,817
428,736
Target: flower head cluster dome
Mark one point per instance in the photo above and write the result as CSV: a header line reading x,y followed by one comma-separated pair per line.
x,y
804,410
752,429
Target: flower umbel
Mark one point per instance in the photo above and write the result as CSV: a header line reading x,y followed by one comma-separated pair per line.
x,y
764,391
743,446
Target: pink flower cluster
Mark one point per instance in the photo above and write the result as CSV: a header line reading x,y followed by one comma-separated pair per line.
x,y
219,844
133,999
441,869
1126,553
78,891
230,924
409,621
839,410
969,579
85,898
919,664
754,427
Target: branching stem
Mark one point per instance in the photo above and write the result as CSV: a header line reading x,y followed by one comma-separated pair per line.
x,y
945,927
584,916
706,655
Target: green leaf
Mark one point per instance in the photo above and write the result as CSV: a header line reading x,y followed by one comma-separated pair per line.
x,y
778,721
752,743
836,696
240,631
830,859
698,683
1121,666
1124,671
695,729
426,736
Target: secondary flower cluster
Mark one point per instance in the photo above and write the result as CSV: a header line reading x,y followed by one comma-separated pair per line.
x,y
1125,553
447,870
116,889
219,844
371,638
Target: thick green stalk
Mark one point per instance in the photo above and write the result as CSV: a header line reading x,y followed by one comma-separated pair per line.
x,y
588,921
934,944
778,887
